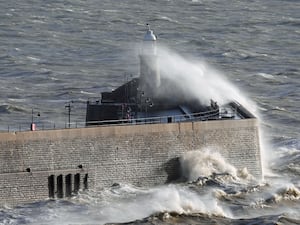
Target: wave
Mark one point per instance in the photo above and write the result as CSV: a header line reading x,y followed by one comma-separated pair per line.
x,y
289,193
168,204
277,108
193,219
176,218
118,204
287,157
205,166
266,76
164,18
244,54
7,109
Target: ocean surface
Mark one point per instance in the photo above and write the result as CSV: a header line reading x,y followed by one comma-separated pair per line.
x,y
55,53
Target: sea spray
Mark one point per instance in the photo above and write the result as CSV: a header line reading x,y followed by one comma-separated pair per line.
x,y
198,80
204,162
267,153
125,203
287,193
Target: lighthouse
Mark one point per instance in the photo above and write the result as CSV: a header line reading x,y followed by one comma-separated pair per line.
x,y
149,68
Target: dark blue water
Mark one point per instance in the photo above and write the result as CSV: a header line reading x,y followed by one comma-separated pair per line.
x,y
54,52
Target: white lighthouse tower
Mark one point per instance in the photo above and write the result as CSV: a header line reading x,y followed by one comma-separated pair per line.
x,y
149,70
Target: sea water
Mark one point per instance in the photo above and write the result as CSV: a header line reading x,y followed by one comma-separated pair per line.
x,y
55,53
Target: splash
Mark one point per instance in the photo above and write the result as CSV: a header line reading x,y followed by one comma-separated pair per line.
x,y
281,192
204,162
208,164
288,193
121,204
197,80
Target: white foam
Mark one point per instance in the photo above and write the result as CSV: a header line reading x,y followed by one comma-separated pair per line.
x,y
198,79
126,203
267,76
204,162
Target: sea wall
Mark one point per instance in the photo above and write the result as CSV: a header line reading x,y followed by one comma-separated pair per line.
x,y
36,165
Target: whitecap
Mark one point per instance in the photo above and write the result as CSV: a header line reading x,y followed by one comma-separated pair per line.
x,y
87,93
33,58
111,10
266,75
279,109
69,10
168,19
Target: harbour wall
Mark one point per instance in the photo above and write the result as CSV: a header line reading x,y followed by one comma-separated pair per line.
x,y
37,165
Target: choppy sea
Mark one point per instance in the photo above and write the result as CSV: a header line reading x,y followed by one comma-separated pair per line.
x,y
55,53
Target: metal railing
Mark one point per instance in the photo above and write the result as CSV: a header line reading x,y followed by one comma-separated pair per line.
x,y
213,114
202,116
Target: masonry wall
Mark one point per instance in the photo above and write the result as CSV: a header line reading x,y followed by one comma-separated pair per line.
x,y
143,155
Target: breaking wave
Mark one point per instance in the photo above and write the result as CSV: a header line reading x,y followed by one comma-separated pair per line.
x,y
288,193
201,164
118,204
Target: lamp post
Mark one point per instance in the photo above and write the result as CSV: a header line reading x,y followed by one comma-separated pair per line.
x,y
139,103
33,126
69,107
148,103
